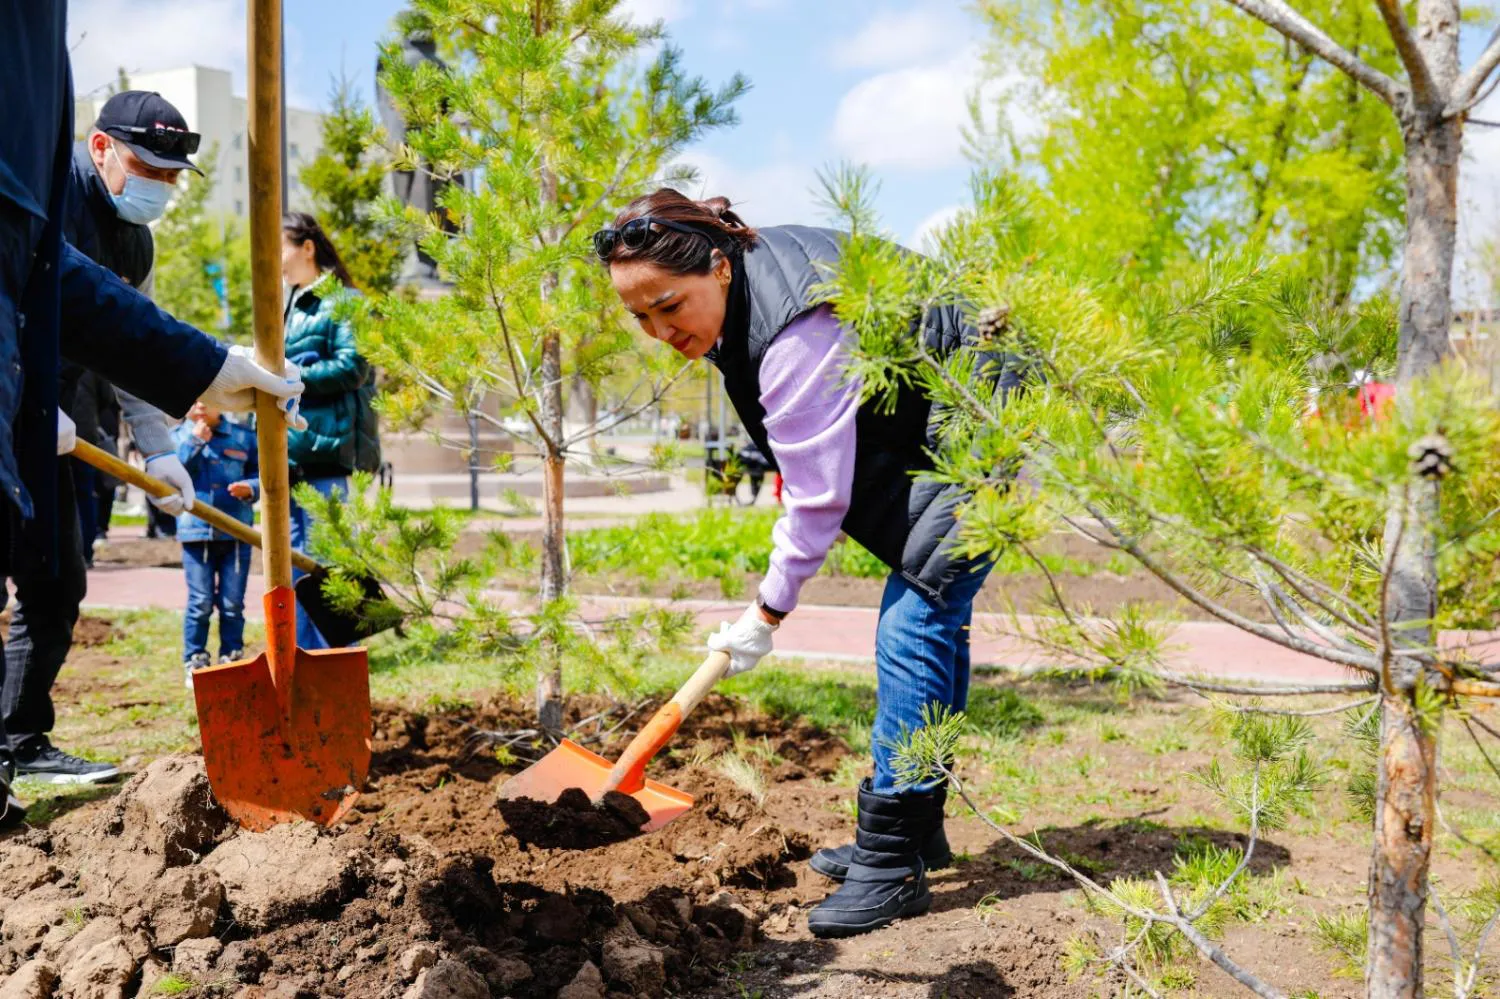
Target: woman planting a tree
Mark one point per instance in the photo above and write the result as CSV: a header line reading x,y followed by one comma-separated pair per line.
x,y
699,280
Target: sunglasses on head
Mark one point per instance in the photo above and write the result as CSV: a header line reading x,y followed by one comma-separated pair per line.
x,y
637,233
159,139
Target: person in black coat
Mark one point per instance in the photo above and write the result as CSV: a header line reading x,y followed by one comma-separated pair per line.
x,y
56,303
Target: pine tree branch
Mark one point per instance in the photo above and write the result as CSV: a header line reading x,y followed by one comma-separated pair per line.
x,y
1424,88
1245,709
1466,89
1212,951
1366,663
1281,17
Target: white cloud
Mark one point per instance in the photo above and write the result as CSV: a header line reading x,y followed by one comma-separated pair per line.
x,y
898,38
148,35
911,118
648,11
144,36
922,237
780,192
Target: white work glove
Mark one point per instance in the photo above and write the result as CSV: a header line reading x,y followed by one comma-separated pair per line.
x,y
166,467
233,388
67,433
746,640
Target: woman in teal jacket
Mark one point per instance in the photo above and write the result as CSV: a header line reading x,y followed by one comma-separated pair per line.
x,y
320,341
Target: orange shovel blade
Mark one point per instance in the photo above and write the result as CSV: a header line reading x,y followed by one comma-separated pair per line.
x,y
570,765
266,768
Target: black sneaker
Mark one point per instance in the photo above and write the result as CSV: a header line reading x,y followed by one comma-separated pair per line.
x,y
198,660
51,765
232,656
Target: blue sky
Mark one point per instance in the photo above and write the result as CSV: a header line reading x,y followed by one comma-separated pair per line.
x,y
879,82
831,80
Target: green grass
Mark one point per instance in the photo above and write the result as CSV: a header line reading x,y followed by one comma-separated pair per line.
x,y
844,702
729,543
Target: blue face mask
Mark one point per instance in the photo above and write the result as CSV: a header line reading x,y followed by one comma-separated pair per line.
x,y
142,199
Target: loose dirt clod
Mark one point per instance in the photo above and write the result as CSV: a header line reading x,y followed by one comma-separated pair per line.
x,y
448,980
289,872
587,984
186,905
574,821
33,980
195,958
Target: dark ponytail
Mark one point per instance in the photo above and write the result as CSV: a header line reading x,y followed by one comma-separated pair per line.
x,y
681,252
301,227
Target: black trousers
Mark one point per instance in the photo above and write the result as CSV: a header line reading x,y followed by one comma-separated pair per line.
x,y
41,629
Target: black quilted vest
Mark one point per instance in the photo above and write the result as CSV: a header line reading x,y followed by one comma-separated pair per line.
x,y
906,523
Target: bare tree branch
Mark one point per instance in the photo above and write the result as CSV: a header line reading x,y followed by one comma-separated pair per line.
x,y
1368,664
1281,17
1466,88
1298,690
1422,85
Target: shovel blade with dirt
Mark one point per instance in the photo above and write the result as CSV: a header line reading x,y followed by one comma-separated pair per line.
x,y
572,766
286,735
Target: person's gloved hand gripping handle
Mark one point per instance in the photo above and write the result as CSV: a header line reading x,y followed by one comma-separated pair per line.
x,y
747,640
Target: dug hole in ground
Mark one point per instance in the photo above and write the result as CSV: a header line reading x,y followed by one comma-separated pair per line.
x,y
435,890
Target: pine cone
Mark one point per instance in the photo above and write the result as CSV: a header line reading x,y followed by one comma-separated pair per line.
x,y
991,322
1431,457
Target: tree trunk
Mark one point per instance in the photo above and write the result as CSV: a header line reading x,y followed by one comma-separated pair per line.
x,y
549,682
1406,790
1433,148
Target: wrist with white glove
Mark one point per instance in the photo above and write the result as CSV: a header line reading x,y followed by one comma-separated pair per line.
x,y
233,388
167,468
67,433
747,640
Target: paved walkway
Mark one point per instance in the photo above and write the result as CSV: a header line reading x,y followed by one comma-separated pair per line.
x,y
827,633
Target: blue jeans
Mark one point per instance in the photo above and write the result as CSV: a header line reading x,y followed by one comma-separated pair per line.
x,y
216,574
921,658
308,636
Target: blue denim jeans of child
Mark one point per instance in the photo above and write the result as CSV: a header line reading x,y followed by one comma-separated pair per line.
x,y
308,636
216,575
921,659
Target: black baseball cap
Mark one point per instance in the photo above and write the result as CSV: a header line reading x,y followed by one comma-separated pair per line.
x,y
153,129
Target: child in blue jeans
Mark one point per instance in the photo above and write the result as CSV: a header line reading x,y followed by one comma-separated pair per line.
x,y
222,459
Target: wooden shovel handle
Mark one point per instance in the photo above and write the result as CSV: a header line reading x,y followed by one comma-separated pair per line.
x,y
629,773
264,134
126,472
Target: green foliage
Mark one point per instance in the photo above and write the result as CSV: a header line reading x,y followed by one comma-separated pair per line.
x,y
346,182
555,112
172,985
1173,419
723,543
438,595
1188,129
1347,935
197,254
1275,775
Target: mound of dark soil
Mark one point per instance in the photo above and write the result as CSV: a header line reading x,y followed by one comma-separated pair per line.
x,y
430,891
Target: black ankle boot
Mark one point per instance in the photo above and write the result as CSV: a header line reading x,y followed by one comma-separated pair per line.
x,y
833,861
886,878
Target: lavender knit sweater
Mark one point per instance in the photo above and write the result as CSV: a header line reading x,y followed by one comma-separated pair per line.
x,y
810,419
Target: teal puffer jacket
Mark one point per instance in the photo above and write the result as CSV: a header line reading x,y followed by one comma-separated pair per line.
x,y
321,343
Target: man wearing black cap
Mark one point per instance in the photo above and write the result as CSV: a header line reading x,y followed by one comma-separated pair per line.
x,y
121,178
55,302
